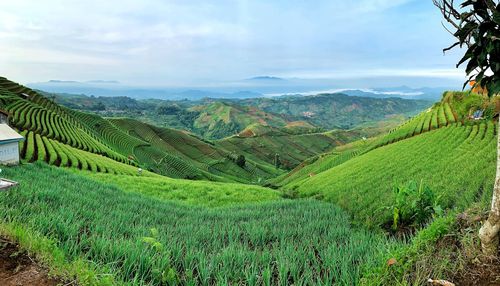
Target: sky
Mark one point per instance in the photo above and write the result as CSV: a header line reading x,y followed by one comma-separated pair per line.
x,y
153,42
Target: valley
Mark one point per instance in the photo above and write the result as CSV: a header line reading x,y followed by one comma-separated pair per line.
x,y
108,198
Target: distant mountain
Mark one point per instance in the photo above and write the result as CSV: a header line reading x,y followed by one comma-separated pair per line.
x,y
259,86
266,78
103,81
115,89
62,81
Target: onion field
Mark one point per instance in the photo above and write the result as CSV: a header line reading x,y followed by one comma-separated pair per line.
x,y
141,240
363,185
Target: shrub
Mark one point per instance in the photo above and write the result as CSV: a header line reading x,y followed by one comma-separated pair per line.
x,y
240,161
413,204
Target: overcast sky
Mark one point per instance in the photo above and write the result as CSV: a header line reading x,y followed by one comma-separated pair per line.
x,y
196,42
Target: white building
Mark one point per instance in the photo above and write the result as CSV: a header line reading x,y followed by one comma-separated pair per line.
x,y
9,145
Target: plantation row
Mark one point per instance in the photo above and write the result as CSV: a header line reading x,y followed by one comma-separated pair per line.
x,y
26,115
166,164
146,133
40,148
107,132
363,185
170,146
438,116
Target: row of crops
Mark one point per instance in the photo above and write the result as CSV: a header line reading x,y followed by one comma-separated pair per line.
x,y
108,133
444,159
28,115
441,114
171,146
41,148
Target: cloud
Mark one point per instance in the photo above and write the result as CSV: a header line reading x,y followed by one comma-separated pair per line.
x,y
170,41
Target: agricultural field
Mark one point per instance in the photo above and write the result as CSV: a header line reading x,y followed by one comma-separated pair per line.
x,y
363,185
263,144
200,153
134,238
86,211
163,151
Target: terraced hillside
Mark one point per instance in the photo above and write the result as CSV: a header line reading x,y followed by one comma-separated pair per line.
x,y
201,154
267,144
69,138
454,108
364,183
219,119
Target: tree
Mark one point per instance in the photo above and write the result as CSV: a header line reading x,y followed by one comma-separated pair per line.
x,y
476,25
277,161
240,161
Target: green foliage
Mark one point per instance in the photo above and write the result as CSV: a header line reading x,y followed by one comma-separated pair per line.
x,y
479,28
240,161
416,260
211,194
166,275
414,204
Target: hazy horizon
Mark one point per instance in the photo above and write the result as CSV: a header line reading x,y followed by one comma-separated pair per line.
x,y
194,43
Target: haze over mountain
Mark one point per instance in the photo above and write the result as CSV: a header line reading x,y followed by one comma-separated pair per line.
x,y
260,86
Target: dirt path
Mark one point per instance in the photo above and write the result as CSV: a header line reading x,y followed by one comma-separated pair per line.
x,y
18,269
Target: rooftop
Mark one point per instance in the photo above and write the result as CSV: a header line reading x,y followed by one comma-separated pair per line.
x,y
9,134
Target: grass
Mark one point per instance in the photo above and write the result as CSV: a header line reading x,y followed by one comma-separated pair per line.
x,y
274,243
189,192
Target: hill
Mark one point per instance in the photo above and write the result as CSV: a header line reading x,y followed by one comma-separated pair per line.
x,y
220,119
70,138
291,145
332,226
442,148
214,118
336,111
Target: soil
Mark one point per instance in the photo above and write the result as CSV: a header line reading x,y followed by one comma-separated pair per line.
x,y
480,272
18,269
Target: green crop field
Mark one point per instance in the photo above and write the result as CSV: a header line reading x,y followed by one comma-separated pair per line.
x,y
363,185
271,243
263,144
